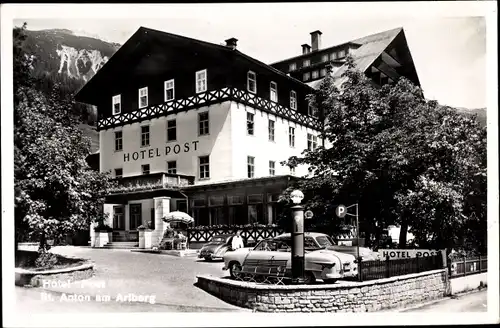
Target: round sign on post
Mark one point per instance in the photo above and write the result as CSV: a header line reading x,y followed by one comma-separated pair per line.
x,y
341,211
308,214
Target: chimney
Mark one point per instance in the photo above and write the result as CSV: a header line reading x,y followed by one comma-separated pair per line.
x,y
306,48
316,40
231,43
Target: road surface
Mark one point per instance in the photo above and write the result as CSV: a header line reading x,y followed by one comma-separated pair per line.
x,y
472,302
135,282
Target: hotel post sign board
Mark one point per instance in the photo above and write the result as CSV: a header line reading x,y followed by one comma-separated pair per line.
x,y
158,152
395,254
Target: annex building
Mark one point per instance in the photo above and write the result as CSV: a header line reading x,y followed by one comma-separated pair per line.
x,y
202,128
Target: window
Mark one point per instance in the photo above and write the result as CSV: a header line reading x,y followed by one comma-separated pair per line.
x,y
322,72
274,92
143,97
293,100
272,167
169,90
117,104
145,169
204,167
324,58
118,141
172,167
341,53
145,136
311,111
171,130
252,82
333,56
203,124
291,136
201,81
312,142
271,130
306,76
250,166
315,74
292,67
250,123
118,173
307,63
135,216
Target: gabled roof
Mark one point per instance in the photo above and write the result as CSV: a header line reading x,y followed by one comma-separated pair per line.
x,y
136,47
371,47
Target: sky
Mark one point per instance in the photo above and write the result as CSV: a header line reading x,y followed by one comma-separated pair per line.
x,y
449,51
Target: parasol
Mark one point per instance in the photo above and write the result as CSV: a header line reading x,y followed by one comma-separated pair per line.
x,y
178,217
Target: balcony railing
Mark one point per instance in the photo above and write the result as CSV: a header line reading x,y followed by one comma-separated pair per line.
x,y
151,182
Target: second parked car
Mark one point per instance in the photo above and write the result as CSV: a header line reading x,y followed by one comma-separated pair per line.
x,y
216,248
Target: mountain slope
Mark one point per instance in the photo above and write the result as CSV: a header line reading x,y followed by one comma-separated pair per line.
x,y
61,51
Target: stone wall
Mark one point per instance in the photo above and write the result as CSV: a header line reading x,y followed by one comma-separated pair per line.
x,y
366,296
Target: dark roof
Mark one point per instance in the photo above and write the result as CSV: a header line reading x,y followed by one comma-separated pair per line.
x,y
140,39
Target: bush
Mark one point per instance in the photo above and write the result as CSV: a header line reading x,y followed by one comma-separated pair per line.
x,y
141,227
103,228
46,260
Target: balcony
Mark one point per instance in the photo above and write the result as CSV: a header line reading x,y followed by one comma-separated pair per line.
x,y
151,182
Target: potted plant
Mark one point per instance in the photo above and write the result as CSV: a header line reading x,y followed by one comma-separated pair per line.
x,y
103,234
142,241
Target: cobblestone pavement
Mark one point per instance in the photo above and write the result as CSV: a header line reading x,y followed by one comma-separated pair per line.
x,y
472,302
119,273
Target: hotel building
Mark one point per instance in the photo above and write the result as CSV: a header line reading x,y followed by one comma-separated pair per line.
x,y
202,128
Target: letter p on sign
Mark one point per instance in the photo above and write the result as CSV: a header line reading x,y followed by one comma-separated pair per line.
x,y
341,211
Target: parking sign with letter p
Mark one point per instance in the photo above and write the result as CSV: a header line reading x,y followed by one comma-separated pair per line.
x,y
341,211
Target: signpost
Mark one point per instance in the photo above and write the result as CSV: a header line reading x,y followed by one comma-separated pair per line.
x,y
341,212
297,238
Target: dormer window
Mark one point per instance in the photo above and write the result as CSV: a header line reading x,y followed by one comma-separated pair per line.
x,y
252,82
117,104
341,53
333,56
307,63
306,76
143,97
169,90
292,67
322,72
274,91
201,81
324,58
293,100
315,74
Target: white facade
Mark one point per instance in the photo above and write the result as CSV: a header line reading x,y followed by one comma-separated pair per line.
x,y
228,144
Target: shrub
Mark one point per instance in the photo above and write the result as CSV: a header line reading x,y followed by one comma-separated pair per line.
x,y
46,260
103,228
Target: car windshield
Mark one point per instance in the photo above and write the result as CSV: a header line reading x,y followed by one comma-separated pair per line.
x,y
273,246
324,241
218,239
309,244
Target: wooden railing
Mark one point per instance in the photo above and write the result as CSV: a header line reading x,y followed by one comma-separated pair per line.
x,y
468,265
150,182
250,235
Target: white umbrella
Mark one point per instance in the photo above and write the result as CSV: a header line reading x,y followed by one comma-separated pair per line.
x,y
178,216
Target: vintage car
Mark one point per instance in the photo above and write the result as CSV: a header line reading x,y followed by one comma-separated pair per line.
x,y
216,248
320,263
324,241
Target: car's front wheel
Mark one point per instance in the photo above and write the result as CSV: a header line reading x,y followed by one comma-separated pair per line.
x,y
309,278
234,269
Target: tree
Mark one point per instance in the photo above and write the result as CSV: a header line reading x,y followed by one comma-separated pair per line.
x,y
56,192
405,160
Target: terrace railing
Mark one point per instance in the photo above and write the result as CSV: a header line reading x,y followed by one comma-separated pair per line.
x,y
371,270
150,182
250,234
